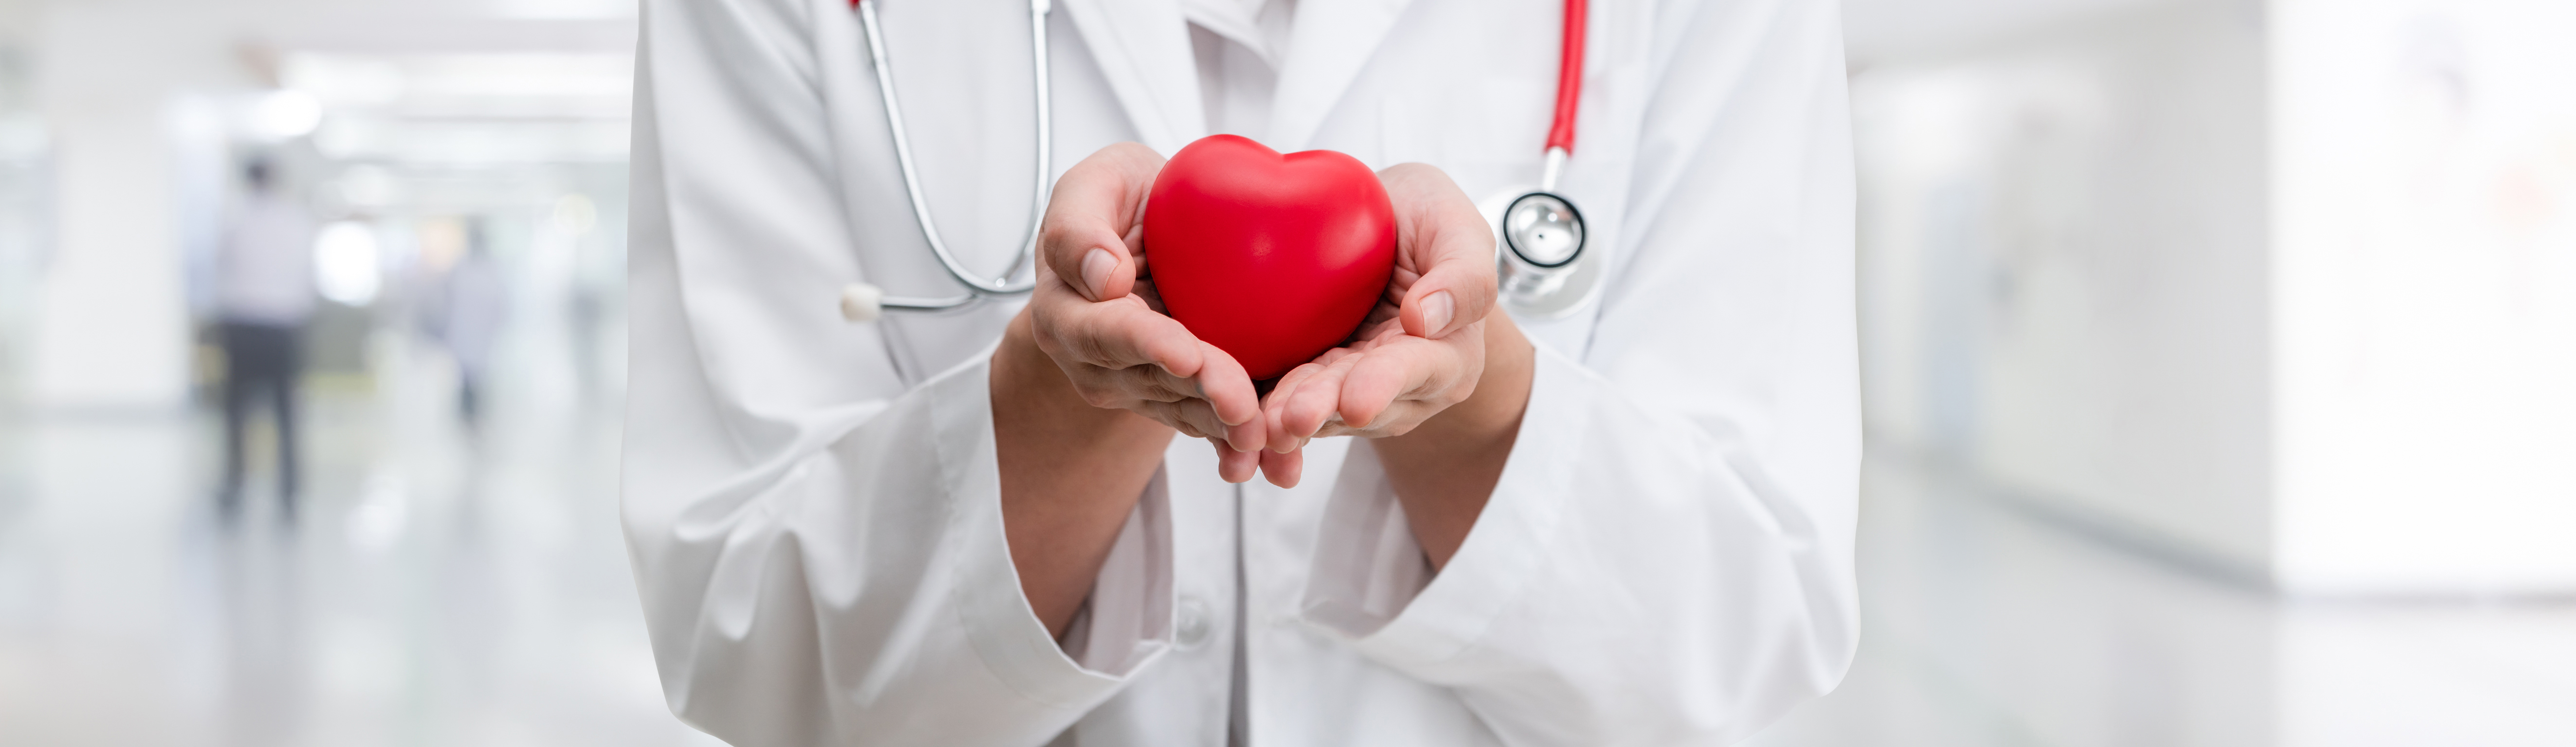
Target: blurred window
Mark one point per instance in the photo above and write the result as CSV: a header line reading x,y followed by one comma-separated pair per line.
x,y
344,261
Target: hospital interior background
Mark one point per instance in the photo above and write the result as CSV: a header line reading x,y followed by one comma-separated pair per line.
x,y
2220,374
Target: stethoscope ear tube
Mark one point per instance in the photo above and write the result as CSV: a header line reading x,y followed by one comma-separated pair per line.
x,y
1534,277
865,302
861,302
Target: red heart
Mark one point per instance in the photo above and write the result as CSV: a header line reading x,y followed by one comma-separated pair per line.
x,y
1273,259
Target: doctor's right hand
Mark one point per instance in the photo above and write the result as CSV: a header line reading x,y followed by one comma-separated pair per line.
x,y
1095,313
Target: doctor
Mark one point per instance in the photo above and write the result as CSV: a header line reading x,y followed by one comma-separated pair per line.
x,y
1630,524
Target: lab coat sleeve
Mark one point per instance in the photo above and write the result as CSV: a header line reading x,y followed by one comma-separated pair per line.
x,y
1667,558
819,550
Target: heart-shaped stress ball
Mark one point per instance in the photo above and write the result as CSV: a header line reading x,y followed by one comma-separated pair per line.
x,y
1273,259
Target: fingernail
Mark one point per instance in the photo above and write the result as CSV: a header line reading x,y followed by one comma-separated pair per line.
x,y
1095,271
1436,310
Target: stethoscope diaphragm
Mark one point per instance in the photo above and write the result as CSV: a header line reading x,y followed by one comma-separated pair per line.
x,y
1539,260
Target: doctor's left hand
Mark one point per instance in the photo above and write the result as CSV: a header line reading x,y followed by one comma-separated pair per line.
x,y
1095,313
1425,348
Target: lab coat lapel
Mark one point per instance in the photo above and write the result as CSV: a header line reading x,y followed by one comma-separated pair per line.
x,y
1332,41
1143,47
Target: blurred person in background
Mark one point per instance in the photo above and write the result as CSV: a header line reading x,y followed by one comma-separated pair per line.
x,y
264,293
465,307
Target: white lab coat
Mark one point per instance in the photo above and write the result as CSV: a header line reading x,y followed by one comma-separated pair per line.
x,y
814,521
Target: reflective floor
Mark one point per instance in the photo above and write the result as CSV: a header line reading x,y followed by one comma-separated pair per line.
x,y
438,588
447,589
1991,624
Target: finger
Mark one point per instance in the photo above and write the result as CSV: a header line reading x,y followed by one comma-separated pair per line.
x,y
1226,386
1093,208
1375,382
1191,417
1448,243
1369,390
1275,406
1150,383
1283,469
1119,334
1251,435
1318,400
1235,466
1457,287
1284,438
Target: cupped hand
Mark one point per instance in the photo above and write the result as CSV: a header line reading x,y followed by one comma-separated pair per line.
x,y
1420,351
1095,313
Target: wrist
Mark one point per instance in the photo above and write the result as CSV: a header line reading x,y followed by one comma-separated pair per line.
x,y
1070,474
1038,415
1444,470
1028,385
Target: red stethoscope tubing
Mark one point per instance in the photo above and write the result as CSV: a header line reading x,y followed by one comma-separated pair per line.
x,y
1569,79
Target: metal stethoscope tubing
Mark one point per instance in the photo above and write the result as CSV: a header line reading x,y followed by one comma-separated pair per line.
x,y
862,302
1542,234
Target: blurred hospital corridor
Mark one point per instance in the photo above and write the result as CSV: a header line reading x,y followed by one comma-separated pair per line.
x,y
2218,356
438,587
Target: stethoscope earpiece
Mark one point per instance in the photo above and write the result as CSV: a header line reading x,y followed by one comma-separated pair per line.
x,y
862,303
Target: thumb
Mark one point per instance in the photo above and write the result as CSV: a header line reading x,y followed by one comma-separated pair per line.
x,y
1446,239
1091,210
1457,286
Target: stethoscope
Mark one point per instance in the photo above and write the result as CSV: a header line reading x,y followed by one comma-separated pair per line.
x,y
1539,261
861,302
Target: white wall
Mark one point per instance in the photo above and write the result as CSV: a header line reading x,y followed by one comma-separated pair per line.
x,y
2286,287
2425,249
2064,237
112,326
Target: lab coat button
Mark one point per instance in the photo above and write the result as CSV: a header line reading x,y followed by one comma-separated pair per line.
x,y
1192,629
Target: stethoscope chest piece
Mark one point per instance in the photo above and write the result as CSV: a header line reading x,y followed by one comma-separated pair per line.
x,y
1539,253
1539,235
